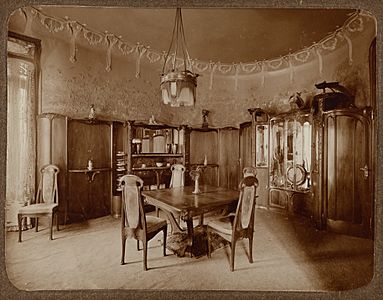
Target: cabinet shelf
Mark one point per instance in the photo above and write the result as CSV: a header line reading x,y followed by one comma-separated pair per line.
x,y
150,168
157,155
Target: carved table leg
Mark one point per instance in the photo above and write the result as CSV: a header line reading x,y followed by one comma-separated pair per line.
x,y
189,223
174,224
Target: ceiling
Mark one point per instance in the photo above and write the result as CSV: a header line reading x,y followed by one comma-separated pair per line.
x,y
225,35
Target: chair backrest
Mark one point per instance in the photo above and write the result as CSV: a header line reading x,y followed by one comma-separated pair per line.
x,y
249,171
47,191
244,217
178,175
132,208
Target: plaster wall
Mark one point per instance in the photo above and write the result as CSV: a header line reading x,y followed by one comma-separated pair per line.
x,y
70,88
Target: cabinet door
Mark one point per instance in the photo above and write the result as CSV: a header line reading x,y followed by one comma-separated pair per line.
x,y
347,182
88,199
228,158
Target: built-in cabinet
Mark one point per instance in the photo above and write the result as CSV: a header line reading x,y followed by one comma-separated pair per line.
x,y
342,163
260,152
315,160
320,162
81,148
290,162
152,149
253,151
89,169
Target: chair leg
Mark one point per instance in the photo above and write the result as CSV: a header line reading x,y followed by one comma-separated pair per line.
x,y
251,249
37,224
165,234
232,255
19,220
57,221
208,244
145,255
138,245
51,227
123,251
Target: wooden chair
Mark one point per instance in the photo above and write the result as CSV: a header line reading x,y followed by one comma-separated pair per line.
x,y
46,202
134,223
238,226
178,175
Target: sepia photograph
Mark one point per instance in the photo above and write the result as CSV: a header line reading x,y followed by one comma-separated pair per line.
x,y
180,148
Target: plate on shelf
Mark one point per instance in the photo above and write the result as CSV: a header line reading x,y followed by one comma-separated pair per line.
x,y
120,169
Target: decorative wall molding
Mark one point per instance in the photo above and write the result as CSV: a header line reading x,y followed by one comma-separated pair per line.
x,y
352,26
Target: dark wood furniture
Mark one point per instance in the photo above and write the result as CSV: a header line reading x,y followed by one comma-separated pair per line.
x,y
46,201
342,162
204,144
321,162
152,148
181,201
88,188
134,223
84,192
241,225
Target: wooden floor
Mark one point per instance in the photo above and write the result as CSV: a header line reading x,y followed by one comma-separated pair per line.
x,y
288,255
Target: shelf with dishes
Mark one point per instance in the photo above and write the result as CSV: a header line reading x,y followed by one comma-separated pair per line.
x,y
120,168
157,155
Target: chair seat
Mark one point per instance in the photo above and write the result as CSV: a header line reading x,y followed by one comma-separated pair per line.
x,y
223,225
154,224
39,208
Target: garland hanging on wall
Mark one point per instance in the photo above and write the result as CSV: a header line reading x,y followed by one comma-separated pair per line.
x,y
355,23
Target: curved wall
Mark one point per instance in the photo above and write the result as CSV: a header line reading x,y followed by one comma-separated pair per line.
x,y
70,88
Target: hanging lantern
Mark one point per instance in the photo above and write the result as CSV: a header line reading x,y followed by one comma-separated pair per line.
x,y
178,84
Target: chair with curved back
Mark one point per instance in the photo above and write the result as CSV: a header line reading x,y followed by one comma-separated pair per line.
x,y
46,201
241,225
178,175
134,222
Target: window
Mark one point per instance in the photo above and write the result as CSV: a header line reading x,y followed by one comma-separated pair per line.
x,y
22,70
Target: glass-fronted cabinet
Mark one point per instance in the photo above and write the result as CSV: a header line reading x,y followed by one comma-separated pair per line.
x,y
290,160
291,152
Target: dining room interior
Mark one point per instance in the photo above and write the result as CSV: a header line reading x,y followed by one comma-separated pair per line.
x,y
153,148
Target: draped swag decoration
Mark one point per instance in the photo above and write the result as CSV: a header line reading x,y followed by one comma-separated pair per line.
x,y
354,24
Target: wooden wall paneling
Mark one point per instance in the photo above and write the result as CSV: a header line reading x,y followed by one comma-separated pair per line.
x,y
44,137
245,145
263,187
205,143
228,158
51,149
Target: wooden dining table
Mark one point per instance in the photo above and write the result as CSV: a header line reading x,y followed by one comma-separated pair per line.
x,y
181,202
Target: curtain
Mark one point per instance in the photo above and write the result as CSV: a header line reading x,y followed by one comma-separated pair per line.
x,y
21,139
